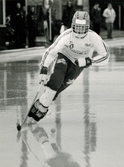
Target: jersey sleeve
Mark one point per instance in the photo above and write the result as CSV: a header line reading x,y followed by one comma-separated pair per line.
x,y
52,52
102,52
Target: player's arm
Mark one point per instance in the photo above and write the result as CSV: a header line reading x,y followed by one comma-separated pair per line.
x,y
48,59
102,51
52,52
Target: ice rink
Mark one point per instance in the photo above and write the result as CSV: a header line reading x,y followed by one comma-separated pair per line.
x,y
88,117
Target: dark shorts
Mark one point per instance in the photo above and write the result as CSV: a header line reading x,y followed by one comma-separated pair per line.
x,y
65,72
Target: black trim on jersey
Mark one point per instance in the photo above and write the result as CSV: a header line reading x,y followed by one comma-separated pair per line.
x,y
59,38
56,42
103,58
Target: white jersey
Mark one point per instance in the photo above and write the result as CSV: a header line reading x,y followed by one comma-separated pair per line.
x,y
78,48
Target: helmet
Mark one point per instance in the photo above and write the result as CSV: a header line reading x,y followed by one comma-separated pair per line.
x,y
80,22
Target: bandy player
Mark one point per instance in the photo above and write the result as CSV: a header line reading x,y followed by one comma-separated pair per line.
x,y
72,52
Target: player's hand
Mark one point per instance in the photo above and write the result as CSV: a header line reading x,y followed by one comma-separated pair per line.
x,y
88,61
84,62
43,75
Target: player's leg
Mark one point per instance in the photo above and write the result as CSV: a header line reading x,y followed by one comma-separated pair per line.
x,y
40,108
72,73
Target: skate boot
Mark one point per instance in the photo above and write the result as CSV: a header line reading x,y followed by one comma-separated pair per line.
x,y
37,111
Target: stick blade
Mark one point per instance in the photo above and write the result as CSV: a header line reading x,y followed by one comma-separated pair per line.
x,y
18,127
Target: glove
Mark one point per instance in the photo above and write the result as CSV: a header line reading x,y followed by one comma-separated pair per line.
x,y
43,75
83,62
88,62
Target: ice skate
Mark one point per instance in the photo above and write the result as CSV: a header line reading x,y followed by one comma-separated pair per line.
x,y
38,111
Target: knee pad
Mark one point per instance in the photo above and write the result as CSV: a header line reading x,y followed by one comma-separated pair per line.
x,y
36,113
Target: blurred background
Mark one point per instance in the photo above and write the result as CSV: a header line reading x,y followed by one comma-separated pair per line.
x,y
50,10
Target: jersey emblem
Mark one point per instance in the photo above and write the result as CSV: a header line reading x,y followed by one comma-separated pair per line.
x,y
71,46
